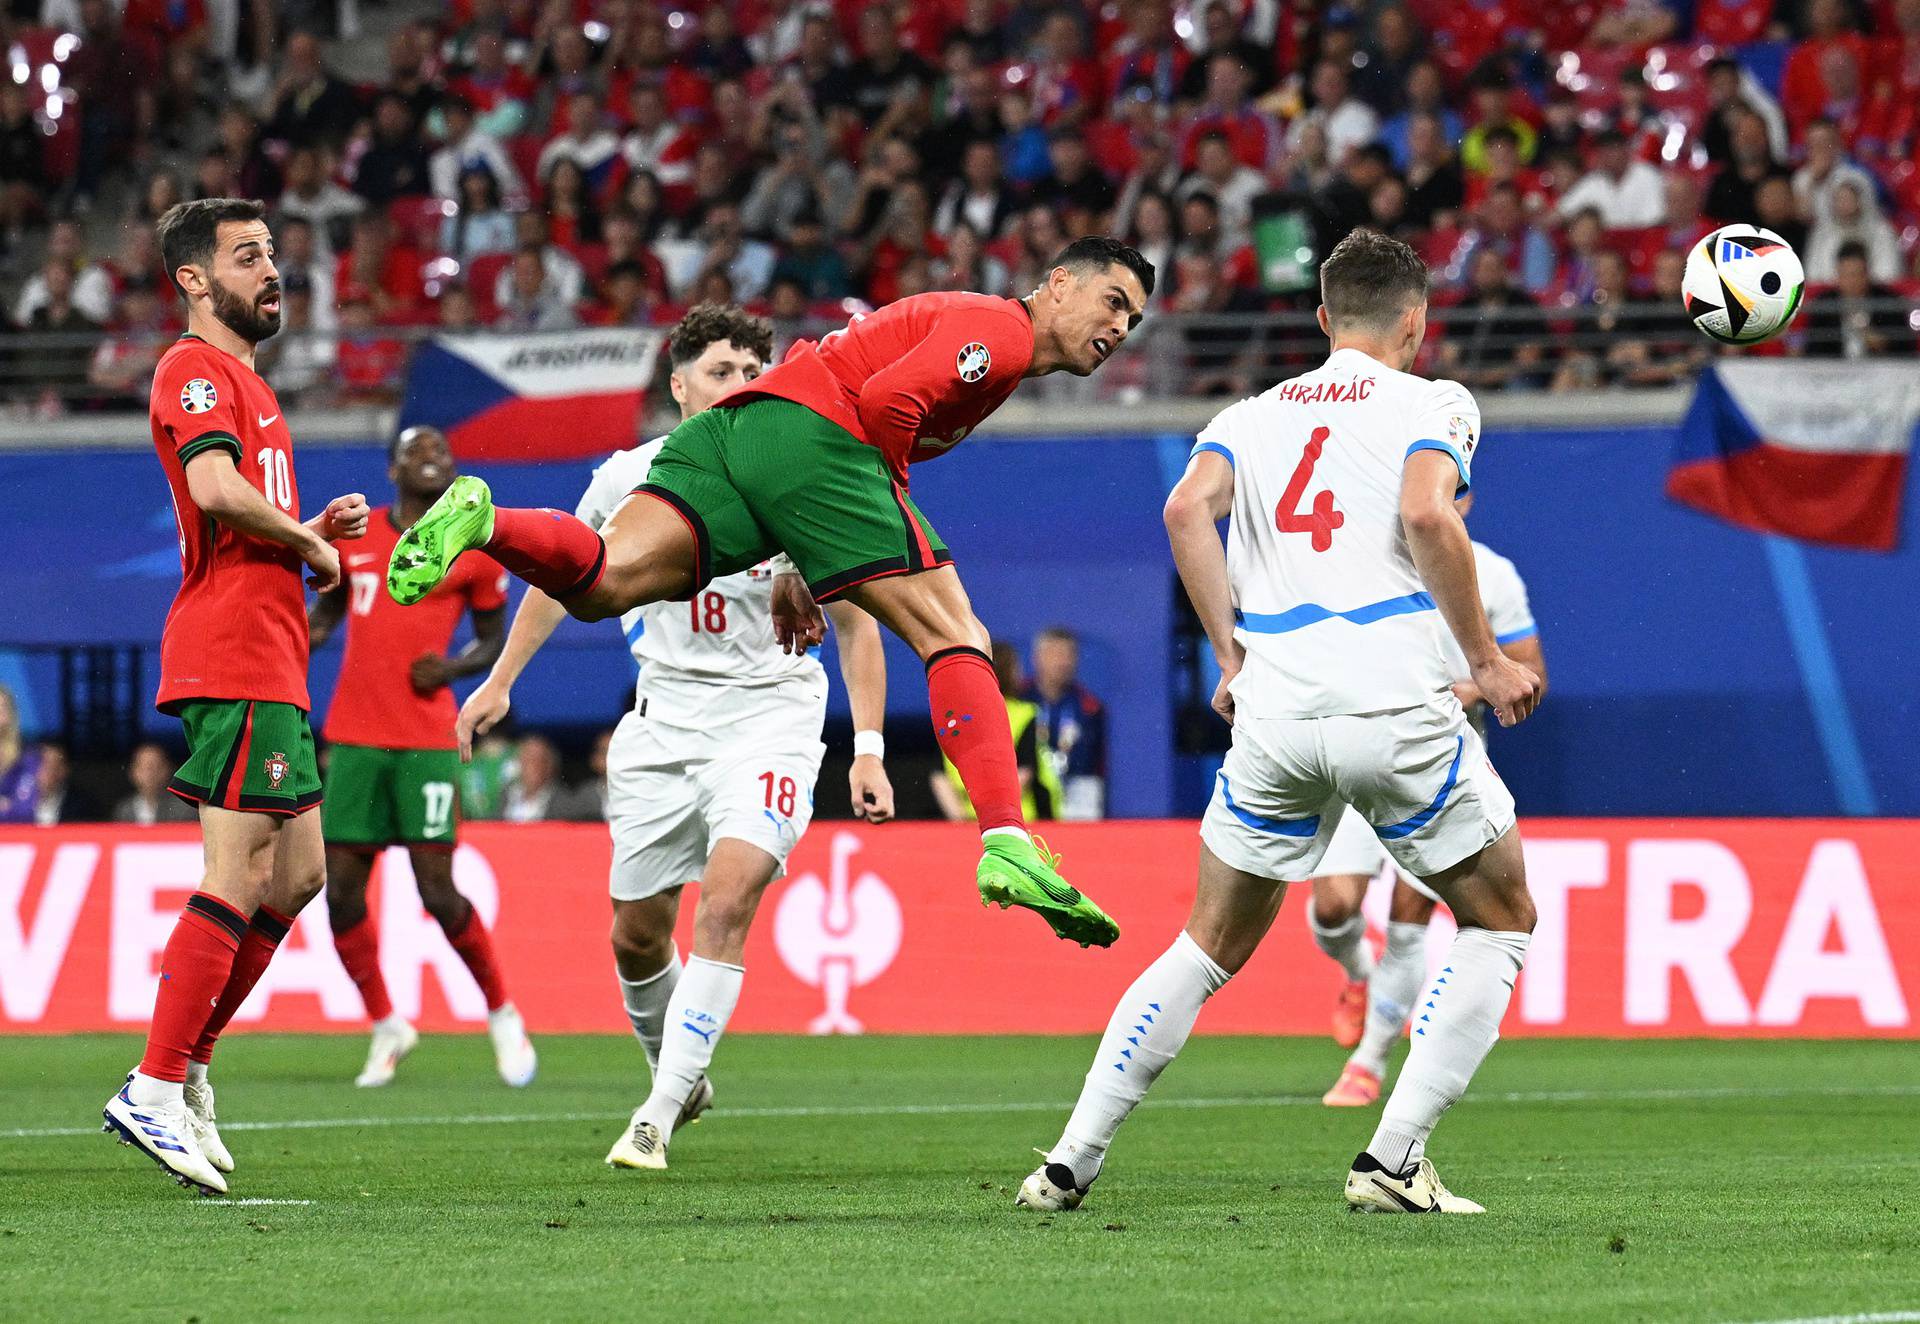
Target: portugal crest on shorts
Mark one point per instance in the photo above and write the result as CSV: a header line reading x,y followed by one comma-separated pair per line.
x,y
277,769
972,361
198,396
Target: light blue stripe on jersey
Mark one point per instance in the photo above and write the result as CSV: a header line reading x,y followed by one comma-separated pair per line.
x,y
1466,480
1277,827
1408,826
1312,613
1527,631
1213,446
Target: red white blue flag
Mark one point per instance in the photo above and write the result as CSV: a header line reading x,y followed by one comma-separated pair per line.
x,y
1803,448
551,396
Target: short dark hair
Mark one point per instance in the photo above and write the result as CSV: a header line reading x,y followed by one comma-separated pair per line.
x,y
711,323
1099,251
393,447
1501,133
189,231
1369,279
1852,248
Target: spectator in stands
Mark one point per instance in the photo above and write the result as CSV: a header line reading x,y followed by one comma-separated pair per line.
x,y
1039,788
89,286
148,771
1605,344
1577,274
720,52
1348,201
1492,99
1560,129
1073,723
532,304
983,29
1254,135
1426,96
1152,231
456,312
1387,208
565,280
1827,167
624,295
811,262
1626,192
123,364
1732,94
980,197
1668,349
1774,209
967,265
642,199
410,71
535,793
1064,80
886,70
1685,224
572,218
1436,189
586,141
214,176
19,765
23,162
395,162
1750,160
312,197
466,146
387,269
113,74
1231,184
801,177
297,245
1501,164
1502,227
498,90
1347,121
1859,317
256,173
162,191
974,117
308,106
367,360
623,242
1395,48
1831,48
1490,340
56,799
716,182
718,245
1075,185
57,373
1217,357
817,64
1854,220
300,360
480,226
1155,169
563,64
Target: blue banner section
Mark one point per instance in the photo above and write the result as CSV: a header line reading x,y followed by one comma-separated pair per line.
x,y
1678,685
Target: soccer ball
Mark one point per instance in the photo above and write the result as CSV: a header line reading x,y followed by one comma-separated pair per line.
x,y
1743,285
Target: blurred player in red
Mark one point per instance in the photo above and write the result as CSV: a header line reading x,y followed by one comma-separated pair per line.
x,y
233,668
811,459
392,771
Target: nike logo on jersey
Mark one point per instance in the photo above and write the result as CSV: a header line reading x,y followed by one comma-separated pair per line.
x,y
361,559
268,419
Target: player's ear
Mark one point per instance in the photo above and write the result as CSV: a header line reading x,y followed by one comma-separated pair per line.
x,y
191,279
1326,323
677,388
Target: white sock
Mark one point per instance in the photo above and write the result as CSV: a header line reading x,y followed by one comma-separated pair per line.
x,y
196,1072
1453,1029
152,1092
696,1016
1345,943
991,833
646,1002
1392,993
1149,1025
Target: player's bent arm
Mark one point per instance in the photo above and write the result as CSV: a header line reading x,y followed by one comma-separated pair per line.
x,y
1528,653
483,650
1199,501
1442,552
222,494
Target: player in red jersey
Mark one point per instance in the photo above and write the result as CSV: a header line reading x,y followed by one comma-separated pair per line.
x,y
811,459
233,668
392,769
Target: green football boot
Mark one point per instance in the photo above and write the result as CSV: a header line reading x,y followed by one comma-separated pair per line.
x,y
1025,873
461,519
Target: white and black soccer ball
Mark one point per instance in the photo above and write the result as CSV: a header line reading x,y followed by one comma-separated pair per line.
x,y
1743,285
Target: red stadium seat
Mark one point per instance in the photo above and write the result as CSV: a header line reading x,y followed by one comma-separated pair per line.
x,y
482,273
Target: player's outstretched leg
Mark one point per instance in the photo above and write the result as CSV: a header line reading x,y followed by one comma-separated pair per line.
x,y
1392,992
356,938
930,612
1454,1027
1232,911
1340,930
467,934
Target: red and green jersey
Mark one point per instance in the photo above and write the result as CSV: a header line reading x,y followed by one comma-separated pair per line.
x,y
238,626
375,703
912,378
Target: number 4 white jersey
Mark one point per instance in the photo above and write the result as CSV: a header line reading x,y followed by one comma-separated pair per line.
x,y
1327,601
712,659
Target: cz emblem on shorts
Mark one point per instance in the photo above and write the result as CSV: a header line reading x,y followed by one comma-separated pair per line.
x,y
198,396
277,769
973,361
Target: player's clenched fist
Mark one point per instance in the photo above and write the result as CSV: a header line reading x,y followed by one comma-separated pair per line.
x,y
482,711
344,517
1511,689
323,566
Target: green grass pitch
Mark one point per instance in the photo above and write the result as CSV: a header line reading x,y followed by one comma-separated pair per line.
x,y
874,1179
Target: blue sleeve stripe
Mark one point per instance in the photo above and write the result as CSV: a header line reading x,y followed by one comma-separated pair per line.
x,y
1213,446
1527,631
1466,480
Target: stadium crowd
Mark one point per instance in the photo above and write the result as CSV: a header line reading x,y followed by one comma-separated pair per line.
x,y
539,166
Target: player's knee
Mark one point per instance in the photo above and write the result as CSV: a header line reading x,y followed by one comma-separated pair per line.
x,y
442,901
1332,909
1521,913
640,948
726,912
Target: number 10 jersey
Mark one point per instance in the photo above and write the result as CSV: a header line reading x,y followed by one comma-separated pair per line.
x,y
1328,603
713,659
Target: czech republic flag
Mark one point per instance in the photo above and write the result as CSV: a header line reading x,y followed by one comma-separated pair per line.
x,y
1809,449
551,396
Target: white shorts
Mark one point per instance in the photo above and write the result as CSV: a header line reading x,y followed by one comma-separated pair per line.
x,y
1355,850
1419,777
673,792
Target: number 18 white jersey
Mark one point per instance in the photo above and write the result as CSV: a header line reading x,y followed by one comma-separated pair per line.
x,y
1327,601
714,659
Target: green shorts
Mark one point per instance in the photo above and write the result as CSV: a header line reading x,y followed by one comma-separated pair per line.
x,y
772,476
248,755
385,797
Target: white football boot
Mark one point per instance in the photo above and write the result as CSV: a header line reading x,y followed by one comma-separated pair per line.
x,y
393,1039
1050,1188
640,1146
164,1133
1371,1189
512,1051
200,1119
697,1102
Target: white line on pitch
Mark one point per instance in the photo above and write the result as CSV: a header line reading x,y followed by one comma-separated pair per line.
x,y
251,1201
1882,1317
951,1109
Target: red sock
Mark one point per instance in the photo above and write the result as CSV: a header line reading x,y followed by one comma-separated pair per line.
x,y
970,719
476,949
193,970
552,551
359,949
262,940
